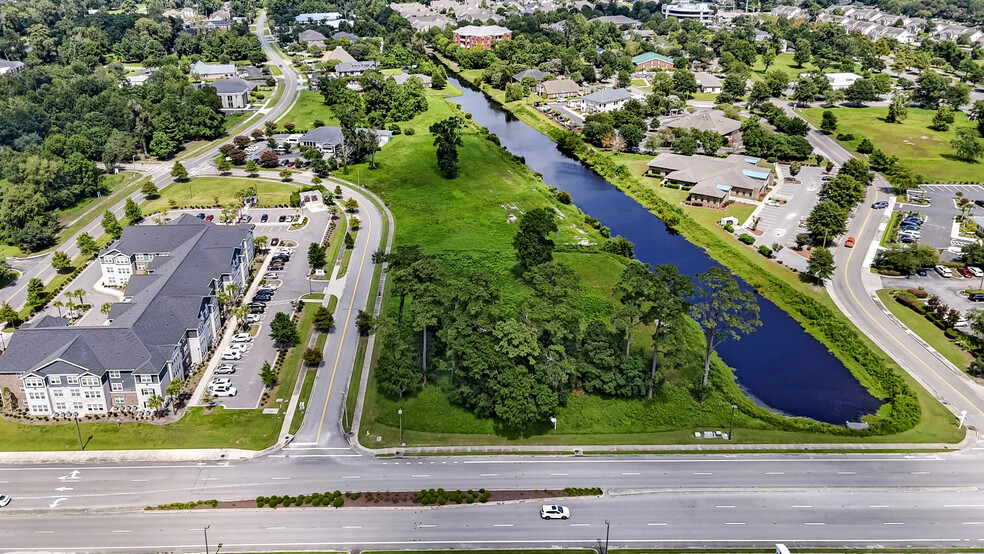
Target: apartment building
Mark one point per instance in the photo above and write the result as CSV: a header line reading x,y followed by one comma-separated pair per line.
x,y
486,36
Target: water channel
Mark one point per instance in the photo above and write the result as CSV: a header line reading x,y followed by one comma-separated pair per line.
x,y
780,366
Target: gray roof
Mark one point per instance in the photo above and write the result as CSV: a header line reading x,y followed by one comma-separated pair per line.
x,y
351,36
535,73
608,95
162,305
310,35
232,85
202,68
323,135
351,67
618,20
5,63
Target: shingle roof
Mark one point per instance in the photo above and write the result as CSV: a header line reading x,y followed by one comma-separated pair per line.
x,y
310,35
708,120
351,67
202,68
535,73
606,95
232,85
341,55
559,86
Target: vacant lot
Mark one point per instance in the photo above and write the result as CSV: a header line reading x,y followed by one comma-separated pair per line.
x,y
309,107
202,191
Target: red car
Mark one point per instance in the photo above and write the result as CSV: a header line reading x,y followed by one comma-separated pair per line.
x,y
965,272
209,217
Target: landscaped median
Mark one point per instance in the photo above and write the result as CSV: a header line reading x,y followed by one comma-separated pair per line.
x,y
933,323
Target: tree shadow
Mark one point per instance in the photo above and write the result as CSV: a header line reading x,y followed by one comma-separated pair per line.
x,y
955,158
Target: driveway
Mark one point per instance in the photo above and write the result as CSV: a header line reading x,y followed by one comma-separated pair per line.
x,y
780,223
941,211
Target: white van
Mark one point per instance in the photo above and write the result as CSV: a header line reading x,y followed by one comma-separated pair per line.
x,y
293,139
944,271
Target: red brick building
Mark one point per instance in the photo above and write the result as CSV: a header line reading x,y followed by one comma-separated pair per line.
x,y
470,35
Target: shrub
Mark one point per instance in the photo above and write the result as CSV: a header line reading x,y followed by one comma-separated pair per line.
x,y
729,228
918,293
746,238
409,131
952,333
338,502
765,251
260,501
845,136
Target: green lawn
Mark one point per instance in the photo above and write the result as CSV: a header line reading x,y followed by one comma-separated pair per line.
x,y
309,106
110,184
391,71
201,191
926,151
707,96
927,331
231,120
782,62
292,365
247,429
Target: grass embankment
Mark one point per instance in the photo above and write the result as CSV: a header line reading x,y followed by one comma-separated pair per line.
x,y
111,186
292,364
784,63
808,304
309,107
926,331
202,191
926,151
336,241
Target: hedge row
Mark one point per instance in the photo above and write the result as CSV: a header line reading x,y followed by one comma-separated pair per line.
x,y
184,505
334,499
442,497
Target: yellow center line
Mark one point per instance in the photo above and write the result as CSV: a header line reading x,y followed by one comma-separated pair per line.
x,y
893,337
348,318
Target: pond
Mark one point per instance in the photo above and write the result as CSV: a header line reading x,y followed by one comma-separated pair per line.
x,y
779,365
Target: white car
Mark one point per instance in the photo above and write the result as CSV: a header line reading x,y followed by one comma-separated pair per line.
x,y
943,271
554,512
242,337
226,391
224,369
237,347
232,356
269,275
253,318
4,500
975,271
220,382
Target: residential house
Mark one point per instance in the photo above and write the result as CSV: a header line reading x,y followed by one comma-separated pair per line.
x,y
535,74
404,77
558,88
233,92
840,80
618,20
789,12
486,36
714,181
166,324
218,25
10,68
427,22
652,60
338,54
138,80
603,100
204,70
311,36
707,120
354,69
708,83
340,34
329,139
638,34
318,17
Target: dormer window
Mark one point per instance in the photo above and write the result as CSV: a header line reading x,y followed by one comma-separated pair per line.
x,y
33,382
54,380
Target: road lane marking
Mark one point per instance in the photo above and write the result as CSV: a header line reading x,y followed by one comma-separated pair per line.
x,y
656,524
280,478
212,479
963,505
878,506
734,523
139,480
630,473
348,320
502,525
814,523
973,523
847,473
274,528
920,472
802,506
703,473
891,523
427,525
775,473
350,477
122,531
419,475
44,532
724,506
490,475
580,525
351,527
560,474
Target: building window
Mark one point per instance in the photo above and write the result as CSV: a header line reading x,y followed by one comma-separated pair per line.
x,y
109,269
95,407
147,392
77,406
146,378
40,408
37,396
119,400
72,380
54,380
57,393
90,382
61,406
114,374
93,393
33,382
116,387
76,393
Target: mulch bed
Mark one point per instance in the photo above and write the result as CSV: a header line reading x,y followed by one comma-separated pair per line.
x,y
383,499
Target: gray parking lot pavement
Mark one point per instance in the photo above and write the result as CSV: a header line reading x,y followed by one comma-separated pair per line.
x,y
941,211
948,289
780,222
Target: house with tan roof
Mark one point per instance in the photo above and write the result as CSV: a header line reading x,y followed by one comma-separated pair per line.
x,y
713,181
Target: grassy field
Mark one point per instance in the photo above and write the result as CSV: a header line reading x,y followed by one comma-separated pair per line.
x,y
782,62
309,106
927,331
111,185
926,151
231,120
201,191
247,429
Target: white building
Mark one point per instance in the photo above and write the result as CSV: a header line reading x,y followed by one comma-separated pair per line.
x,y
604,100
690,10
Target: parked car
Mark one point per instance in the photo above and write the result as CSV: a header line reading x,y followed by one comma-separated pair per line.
x,y
232,355
881,204
262,298
276,266
264,218
223,392
283,258
975,271
237,347
921,272
965,272
253,318
976,297
209,217
267,292
218,382
849,243
979,203
943,271
281,219
242,337
274,242
200,216
269,275
908,227
224,369
554,512
247,218
4,500
256,309
914,219
908,239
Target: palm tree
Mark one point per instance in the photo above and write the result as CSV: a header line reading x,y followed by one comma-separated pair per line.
x,y
155,402
174,388
106,308
233,290
80,293
209,399
58,304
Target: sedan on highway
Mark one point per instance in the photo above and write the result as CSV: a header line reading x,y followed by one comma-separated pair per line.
x,y
4,500
554,512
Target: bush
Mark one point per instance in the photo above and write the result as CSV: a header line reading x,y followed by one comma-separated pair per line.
x,y
729,228
845,136
409,131
746,238
260,501
952,333
918,293
338,502
765,251
563,197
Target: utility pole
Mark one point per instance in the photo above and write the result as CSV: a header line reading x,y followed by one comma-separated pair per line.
x,y
79,429
205,529
608,528
731,428
400,411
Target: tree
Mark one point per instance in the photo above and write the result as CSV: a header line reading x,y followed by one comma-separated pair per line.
x,y
351,205
806,91
865,146
316,255
285,174
710,141
154,403
803,53
8,315
59,260
768,57
447,139
860,91
685,145
324,320
223,165
898,109
634,288
283,331
111,225
684,83
723,311
532,243
269,159
251,168
827,221
268,375
821,263
174,388
149,189
87,246
365,323
942,119
179,172
313,356
966,145
35,292
162,145
973,253
132,211
828,123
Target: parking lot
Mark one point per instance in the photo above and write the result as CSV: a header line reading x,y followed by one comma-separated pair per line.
x,y
291,283
941,211
948,289
780,220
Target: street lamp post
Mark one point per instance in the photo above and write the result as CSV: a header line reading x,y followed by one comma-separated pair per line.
x,y
79,429
205,529
608,528
400,411
731,428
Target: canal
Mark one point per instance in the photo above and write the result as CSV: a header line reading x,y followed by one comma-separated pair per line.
x,y
780,366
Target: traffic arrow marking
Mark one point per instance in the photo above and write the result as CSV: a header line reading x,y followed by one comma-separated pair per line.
x,y
63,489
57,502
